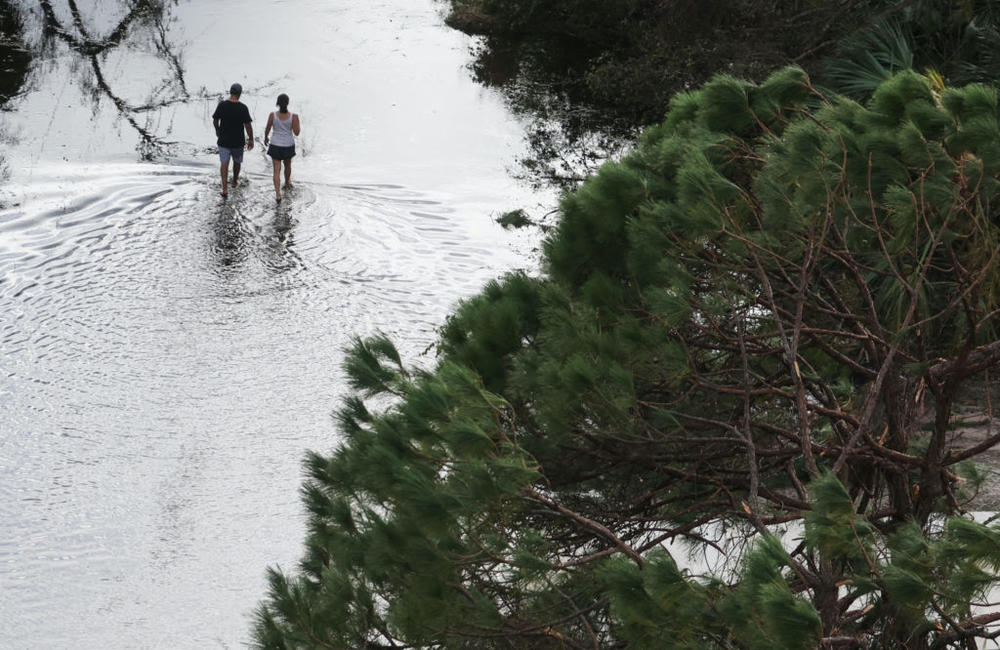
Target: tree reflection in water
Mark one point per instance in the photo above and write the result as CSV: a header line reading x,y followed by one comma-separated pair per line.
x,y
14,56
141,18
567,138
14,62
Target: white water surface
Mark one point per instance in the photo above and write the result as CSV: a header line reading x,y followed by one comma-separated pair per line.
x,y
166,357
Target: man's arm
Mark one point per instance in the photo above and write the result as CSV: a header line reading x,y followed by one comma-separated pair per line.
x,y
249,128
217,118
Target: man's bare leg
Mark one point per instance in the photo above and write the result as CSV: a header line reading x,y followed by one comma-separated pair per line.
x,y
224,169
236,174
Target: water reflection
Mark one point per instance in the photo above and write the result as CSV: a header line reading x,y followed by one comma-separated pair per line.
x,y
568,138
168,356
246,237
14,62
229,240
143,22
280,242
14,57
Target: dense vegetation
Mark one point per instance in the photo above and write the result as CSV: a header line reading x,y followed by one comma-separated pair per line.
x,y
14,57
755,325
587,72
14,63
630,56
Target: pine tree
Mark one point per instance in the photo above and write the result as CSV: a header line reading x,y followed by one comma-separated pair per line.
x,y
747,345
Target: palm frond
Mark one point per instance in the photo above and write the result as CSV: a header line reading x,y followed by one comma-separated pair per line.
x,y
869,58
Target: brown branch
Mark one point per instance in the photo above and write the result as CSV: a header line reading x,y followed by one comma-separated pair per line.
x,y
976,361
968,628
588,524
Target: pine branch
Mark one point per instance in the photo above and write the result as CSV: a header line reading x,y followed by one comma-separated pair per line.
x,y
587,524
974,627
971,363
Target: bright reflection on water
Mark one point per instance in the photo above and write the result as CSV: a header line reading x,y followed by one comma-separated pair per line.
x,y
166,356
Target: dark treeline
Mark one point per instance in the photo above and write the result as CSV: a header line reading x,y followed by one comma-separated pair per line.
x,y
15,61
14,57
592,73
630,57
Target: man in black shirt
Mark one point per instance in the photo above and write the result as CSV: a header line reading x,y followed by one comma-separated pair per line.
x,y
231,119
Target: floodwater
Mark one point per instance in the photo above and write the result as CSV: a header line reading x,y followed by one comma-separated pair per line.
x,y
167,356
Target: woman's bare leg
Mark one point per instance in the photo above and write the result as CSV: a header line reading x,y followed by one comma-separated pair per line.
x,y
277,178
288,173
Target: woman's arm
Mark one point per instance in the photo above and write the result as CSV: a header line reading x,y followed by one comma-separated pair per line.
x,y
295,123
267,129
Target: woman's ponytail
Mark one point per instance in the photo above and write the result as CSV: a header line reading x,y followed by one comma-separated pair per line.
x,y
283,103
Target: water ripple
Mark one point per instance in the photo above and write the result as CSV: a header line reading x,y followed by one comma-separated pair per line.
x,y
168,355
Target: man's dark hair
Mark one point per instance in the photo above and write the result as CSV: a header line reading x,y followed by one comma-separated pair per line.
x,y
236,90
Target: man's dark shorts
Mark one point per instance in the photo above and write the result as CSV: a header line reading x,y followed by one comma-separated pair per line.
x,y
236,153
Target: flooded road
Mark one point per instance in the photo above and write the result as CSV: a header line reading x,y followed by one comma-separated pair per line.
x,y
166,356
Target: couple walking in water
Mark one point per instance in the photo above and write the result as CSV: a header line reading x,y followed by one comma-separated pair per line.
x,y
232,119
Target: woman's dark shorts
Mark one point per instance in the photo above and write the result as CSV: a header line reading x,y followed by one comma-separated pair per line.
x,y
281,153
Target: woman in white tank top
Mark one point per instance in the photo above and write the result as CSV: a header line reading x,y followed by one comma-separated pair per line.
x,y
282,147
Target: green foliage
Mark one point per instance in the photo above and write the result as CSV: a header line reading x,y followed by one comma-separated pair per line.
x,y
740,326
586,75
367,369
485,331
832,527
762,612
956,42
515,219
658,598
629,57
870,58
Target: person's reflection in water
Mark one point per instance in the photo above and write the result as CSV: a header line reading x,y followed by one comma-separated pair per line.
x,y
280,244
229,241
245,244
